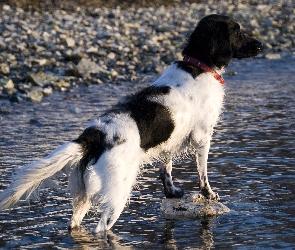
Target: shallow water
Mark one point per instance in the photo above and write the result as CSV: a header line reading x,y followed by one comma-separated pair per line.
x,y
251,166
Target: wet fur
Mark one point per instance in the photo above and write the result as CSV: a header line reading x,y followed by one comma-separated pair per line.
x,y
175,115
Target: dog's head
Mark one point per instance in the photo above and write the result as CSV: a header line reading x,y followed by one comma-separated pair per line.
x,y
217,39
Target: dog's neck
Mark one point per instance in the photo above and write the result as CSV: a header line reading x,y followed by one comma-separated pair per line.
x,y
204,67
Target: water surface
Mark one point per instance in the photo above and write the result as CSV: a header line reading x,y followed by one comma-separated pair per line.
x,y
251,166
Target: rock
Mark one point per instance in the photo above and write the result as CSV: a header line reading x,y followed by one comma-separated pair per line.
x,y
194,206
6,7
4,68
75,110
271,56
6,83
70,42
103,44
35,61
112,56
41,79
47,91
86,67
92,50
35,95
61,84
75,56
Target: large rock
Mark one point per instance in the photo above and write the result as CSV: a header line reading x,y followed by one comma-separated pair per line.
x,y
86,67
192,205
41,79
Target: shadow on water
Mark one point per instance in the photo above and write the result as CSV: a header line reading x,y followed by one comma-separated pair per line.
x,y
251,166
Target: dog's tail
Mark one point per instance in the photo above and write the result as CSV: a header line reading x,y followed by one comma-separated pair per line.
x,y
29,177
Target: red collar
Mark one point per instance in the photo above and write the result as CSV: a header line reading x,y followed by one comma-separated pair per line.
x,y
203,66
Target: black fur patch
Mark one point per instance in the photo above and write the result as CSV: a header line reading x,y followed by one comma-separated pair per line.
x,y
154,121
93,143
189,68
217,39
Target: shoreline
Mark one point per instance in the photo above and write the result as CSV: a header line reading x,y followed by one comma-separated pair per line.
x,y
57,50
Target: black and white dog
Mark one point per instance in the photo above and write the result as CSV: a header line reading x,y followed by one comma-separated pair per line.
x,y
175,115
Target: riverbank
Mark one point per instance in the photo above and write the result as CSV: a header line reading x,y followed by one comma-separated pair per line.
x,y
45,51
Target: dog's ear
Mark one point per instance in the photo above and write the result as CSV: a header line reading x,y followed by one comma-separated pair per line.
x,y
210,42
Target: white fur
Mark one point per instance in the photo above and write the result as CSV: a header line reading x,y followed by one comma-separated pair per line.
x,y
195,105
31,176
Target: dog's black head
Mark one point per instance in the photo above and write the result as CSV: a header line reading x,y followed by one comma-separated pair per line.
x,y
217,39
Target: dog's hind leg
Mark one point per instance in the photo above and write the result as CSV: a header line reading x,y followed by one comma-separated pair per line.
x,y
81,205
117,170
165,175
81,202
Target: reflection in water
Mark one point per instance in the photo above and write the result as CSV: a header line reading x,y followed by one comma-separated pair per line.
x,y
83,238
206,235
251,166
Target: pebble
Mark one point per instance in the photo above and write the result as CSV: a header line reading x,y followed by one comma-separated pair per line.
x,y
59,49
70,42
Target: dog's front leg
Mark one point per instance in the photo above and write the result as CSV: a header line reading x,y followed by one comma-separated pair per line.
x,y
201,160
165,175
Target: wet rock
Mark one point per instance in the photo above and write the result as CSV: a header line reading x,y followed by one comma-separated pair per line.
x,y
36,95
271,56
36,122
194,206
47,91
75,110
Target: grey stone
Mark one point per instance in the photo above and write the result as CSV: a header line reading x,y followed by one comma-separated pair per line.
x,y
35,95
41,79
192,205
271,56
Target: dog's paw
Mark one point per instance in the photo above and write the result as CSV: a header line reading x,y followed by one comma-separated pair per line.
x,y
210,195
213,196
176,193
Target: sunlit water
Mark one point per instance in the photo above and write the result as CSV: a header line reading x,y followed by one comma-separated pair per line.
x,y
251,166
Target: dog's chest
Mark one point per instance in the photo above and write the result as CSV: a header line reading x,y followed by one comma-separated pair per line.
x,y
195,105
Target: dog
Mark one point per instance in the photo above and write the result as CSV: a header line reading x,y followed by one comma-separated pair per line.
x,y
173,116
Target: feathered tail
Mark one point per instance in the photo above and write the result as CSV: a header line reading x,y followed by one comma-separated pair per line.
x,y
29,177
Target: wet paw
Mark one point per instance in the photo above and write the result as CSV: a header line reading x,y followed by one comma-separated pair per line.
x,y
176,193
210,195
213,196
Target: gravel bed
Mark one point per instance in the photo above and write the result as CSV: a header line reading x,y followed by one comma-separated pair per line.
x,y
44,51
